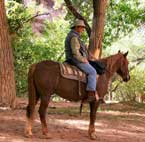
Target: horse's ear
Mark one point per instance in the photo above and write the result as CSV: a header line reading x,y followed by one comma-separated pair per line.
x,y
119,51
125,54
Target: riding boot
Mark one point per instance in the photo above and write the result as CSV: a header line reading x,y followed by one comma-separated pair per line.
x,y
91,96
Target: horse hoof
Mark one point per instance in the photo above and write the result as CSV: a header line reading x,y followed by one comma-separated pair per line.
x,y
92,136
46,136
28,135
45,133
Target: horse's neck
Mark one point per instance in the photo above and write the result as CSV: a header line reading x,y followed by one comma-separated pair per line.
x,y
112,65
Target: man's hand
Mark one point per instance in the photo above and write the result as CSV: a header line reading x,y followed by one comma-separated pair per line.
x,y
85,61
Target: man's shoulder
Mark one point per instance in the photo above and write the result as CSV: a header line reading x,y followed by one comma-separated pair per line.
x,y
72,36
73,33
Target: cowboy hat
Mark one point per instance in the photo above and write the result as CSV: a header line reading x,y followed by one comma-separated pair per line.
x,y
79,23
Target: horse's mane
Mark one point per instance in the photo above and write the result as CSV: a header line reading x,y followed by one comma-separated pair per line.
x,y
110,60
105,59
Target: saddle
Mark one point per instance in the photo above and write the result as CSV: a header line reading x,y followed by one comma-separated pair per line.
x,y
72,72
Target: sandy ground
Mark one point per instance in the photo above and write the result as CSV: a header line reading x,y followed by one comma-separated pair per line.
x,y
121,123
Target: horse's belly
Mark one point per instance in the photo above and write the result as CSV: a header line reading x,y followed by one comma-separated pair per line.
x,y
70,89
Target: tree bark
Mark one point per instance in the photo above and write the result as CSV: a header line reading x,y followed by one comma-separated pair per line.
x,y
95,45
7,81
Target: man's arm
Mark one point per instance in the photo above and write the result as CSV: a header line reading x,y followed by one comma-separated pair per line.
x,y
75,45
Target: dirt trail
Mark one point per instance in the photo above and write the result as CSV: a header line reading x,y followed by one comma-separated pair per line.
x,y
66,125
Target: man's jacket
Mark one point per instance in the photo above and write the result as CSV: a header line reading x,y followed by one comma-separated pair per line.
x,y
75,50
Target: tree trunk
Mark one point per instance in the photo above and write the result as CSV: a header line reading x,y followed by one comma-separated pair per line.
x,y
95,45
7,82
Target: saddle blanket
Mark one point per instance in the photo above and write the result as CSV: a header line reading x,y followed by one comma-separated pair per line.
x,y
71,72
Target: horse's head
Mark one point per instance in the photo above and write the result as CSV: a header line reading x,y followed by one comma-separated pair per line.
x,y
123,67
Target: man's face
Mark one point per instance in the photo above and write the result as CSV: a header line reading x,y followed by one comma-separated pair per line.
x,y
80,29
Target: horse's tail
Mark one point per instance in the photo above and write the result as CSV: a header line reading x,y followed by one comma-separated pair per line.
x,y
32,98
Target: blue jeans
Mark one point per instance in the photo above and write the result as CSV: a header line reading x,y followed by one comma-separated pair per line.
x,y
91,74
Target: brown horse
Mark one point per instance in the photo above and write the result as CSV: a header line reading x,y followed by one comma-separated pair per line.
x,y
44,79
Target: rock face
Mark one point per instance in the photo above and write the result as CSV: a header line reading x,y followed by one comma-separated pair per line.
x,y
48,5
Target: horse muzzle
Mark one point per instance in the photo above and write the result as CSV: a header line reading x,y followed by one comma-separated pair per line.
x,y
127,78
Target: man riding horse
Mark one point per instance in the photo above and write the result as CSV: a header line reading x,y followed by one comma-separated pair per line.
x,y
45,79
77,54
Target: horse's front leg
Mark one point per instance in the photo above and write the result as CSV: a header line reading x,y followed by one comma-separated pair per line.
x,y
93,109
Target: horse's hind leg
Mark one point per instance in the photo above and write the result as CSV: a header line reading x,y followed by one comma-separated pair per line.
x,y
30,111
42,113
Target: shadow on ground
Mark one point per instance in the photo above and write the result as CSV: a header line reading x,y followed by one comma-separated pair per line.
x,y
66,125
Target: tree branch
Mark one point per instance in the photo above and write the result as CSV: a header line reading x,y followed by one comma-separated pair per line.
x,y
78,15
111,4
30,19
138,60
115,88
37,15
59,58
